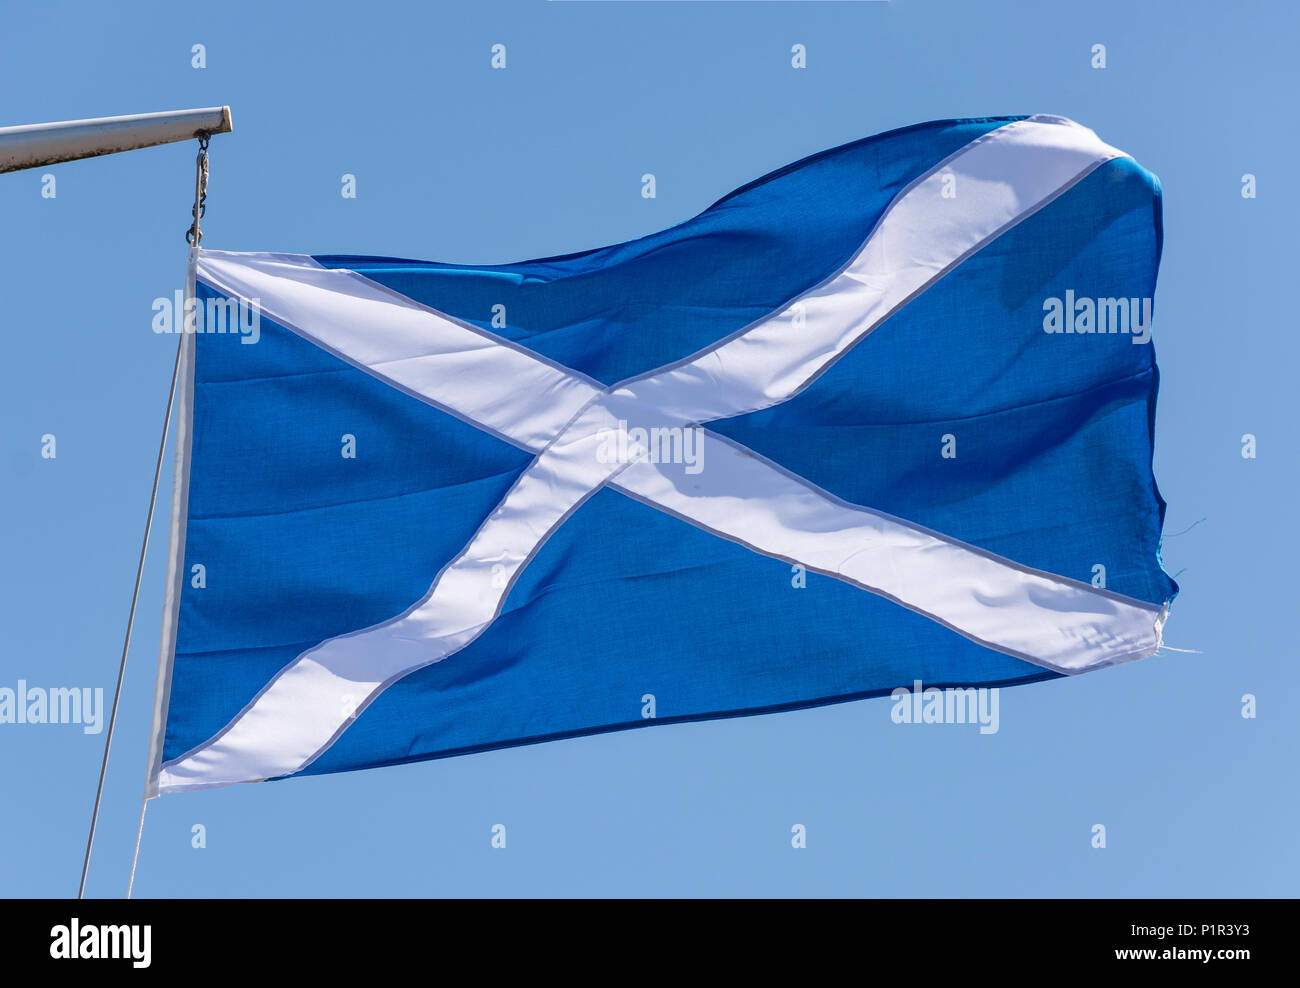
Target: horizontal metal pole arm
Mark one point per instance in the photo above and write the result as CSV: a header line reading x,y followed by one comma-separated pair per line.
x,y
34,145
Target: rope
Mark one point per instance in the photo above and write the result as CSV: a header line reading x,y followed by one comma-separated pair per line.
x,y
144,805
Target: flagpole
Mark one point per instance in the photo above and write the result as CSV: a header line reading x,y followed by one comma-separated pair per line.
x,y
36,145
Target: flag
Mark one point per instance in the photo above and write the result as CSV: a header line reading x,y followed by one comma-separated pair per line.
x,y
883,415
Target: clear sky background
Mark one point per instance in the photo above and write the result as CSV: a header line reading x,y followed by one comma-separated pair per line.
x,y
458,162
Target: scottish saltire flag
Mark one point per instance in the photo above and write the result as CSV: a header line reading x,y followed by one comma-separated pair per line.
x,y
883,415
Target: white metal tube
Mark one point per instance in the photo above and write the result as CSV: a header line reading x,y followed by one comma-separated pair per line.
x,y
34,145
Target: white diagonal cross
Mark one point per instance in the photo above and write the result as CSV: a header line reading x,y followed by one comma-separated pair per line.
x,y
1055,622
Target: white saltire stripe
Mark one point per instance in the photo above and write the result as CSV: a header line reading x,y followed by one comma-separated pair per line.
x,y
1055,622
1000,179
1049,620
477,376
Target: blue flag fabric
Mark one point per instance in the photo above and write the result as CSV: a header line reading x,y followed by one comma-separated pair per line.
x,y
905,400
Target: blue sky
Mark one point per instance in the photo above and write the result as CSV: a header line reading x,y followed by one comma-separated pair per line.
x,y
458,162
